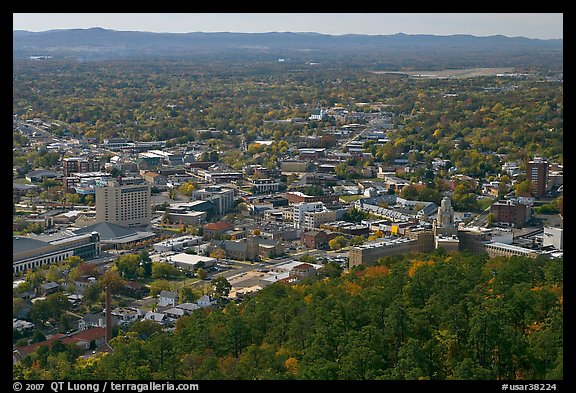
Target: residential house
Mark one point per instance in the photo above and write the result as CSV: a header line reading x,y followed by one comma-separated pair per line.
x,y
302,271
92,320
206,301
157,317
167,298
174,313
49,287
188,307
127,315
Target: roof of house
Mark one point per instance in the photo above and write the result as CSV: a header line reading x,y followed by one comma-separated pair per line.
x,y
86,335
313,233
206,299
303,266
187,306
42,172
218,226
93,318
174,311
28,349
50,285
168,294
155,316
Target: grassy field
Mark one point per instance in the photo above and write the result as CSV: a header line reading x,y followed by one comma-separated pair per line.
x,y
351,198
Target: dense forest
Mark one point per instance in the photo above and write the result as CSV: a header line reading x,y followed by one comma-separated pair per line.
x,y
430,316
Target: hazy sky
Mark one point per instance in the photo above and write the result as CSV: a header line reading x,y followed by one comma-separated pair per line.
x,y
531,25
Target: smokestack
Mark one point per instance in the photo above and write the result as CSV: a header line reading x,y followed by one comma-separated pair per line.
x,y
108,332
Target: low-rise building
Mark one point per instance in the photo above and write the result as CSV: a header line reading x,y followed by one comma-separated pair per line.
x,y
509,212
191,261
368,253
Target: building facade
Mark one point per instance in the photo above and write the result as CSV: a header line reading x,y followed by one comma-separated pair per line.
x,y
222,198
79,165
29,253
537,172
509,212
127,205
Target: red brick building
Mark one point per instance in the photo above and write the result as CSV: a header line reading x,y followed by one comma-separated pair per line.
x,y
297,197
509,212
537,172
314,239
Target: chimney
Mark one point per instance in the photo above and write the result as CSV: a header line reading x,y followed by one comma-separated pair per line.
x,y
108,332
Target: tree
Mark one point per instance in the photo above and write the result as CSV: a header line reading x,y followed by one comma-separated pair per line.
x,y
187,294
164,270
158,286
338,242
201,273
187,188
218,253
145,329
357,240
355,215
128,266
145,264
523,188
72,262
221,287
111,278
49,309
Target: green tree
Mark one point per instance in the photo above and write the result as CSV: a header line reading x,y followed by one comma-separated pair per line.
x,y
164,270
221,287
338,242
158,286
128,266
201,273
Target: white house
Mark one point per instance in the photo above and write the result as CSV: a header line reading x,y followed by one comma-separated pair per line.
x,y
167,298
206,301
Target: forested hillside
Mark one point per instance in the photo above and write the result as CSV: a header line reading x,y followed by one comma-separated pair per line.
x,y
430,316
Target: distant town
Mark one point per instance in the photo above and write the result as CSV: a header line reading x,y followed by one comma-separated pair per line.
x,y
248,226
285,214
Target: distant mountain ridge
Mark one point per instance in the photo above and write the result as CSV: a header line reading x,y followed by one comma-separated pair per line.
x,y
97,42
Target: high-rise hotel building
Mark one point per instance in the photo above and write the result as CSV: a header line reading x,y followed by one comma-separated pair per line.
x,y
127,205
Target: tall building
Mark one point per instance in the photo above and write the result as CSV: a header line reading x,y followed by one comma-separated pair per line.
x,y
301,208
127,205
537,172
79,165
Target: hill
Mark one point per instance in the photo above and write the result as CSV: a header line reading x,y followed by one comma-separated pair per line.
x,y
98,43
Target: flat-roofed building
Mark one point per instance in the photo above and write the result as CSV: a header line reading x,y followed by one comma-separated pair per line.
x,y
496,249
553,237
368,253
509,212
191,261
222,198
29,253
